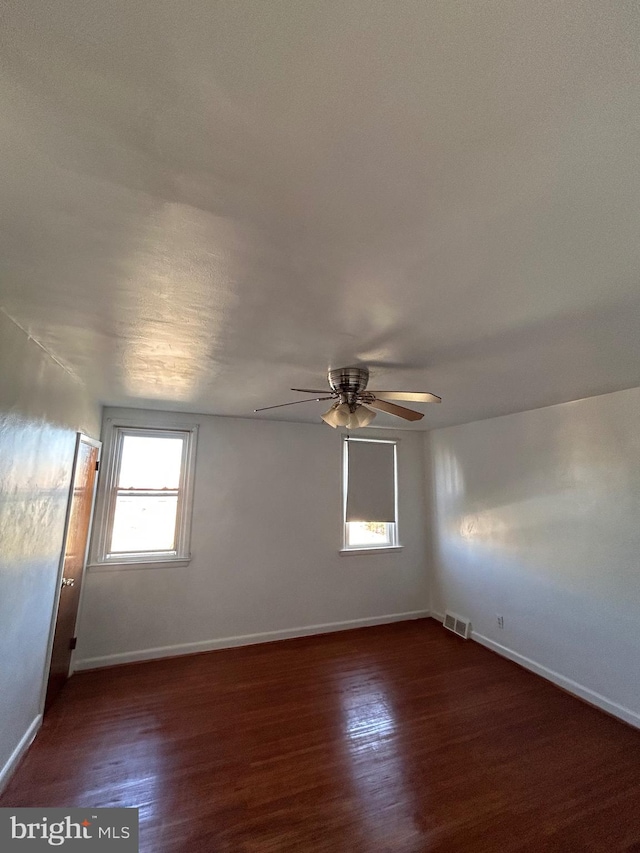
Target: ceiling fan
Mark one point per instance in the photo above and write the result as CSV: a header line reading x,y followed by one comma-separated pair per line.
x,y
353,404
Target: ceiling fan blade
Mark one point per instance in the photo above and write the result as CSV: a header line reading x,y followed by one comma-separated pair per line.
x,y
392,409
411,396
295,403
313,390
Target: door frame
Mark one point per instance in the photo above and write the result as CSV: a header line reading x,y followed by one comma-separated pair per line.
x,y
81,438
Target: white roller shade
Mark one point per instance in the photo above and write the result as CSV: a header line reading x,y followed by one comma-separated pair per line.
x,y
371,493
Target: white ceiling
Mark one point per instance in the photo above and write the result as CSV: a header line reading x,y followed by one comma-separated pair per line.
x,y
205,203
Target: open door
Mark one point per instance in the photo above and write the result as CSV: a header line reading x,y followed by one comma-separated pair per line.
x,y
76,542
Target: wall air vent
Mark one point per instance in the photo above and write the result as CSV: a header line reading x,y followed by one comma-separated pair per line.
x,y
457,624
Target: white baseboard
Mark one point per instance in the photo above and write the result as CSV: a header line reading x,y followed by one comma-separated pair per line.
x,y
23,745
243,640
567,684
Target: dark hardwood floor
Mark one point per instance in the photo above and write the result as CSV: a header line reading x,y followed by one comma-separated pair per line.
x,y
396,738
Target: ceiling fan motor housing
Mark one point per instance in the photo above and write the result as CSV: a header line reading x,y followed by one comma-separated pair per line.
x,y
349,383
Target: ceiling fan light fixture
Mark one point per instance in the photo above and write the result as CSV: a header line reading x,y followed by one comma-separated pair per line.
x,y
352,423
337,416
340,415
343,413
360,417
366,415
329,417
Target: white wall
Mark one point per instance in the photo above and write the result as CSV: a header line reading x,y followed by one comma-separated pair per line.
x,y
537,518
266,536
41,408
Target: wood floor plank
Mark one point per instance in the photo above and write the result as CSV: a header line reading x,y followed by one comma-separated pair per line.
x,y
396,738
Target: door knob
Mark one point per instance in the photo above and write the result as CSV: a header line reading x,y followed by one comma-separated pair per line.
x,y
68,581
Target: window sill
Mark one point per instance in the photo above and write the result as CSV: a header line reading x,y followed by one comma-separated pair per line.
x,y
384,549
113,566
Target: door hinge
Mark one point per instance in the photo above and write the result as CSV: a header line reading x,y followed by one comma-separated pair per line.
x,y
73,642
97,464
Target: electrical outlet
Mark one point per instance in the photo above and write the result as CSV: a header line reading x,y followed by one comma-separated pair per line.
x,y
500,621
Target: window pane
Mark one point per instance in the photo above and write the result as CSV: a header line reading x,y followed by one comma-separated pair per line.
x,y
150,462
144,523
368,533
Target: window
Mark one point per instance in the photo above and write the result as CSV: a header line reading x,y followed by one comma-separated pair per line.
x,y
369,534
145,511
370,494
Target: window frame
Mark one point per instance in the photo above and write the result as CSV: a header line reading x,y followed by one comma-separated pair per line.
x,y
393,538
116,431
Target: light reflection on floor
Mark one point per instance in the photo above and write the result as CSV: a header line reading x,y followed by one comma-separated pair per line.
x,y
130,773
368,716
376,758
